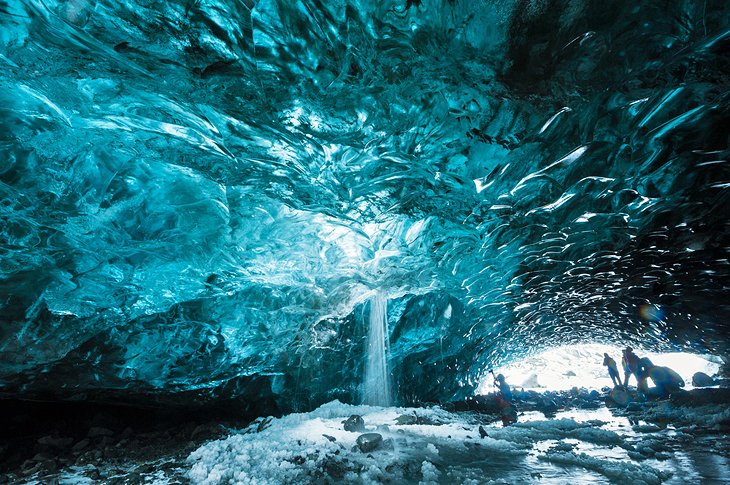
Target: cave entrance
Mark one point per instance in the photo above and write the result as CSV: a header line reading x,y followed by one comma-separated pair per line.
x,y
581,365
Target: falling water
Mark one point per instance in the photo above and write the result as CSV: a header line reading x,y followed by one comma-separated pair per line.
x,y
377,378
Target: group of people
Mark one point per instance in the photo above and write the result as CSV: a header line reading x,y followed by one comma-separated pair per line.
x,y
666,381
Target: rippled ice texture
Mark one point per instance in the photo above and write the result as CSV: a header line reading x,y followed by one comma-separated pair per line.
x,y
197,197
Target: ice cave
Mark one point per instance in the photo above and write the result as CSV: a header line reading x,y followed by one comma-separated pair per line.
x,y
363,242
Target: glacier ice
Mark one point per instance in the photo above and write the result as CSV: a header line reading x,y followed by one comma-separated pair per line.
x,y
199,198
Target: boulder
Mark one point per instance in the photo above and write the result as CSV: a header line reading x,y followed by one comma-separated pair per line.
x,y
354,423
700,379
406,419
369,441
55,442
80,446
98,431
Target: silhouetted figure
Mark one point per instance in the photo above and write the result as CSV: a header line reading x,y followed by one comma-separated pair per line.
x,y
504,401
504,388
665,379
612,369
630,363
642,376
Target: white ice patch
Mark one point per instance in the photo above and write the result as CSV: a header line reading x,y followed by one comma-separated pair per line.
x,y
443,447
708,416
620,471
298,448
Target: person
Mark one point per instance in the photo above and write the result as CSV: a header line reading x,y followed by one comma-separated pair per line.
x,y
504,388
642,376
630,363
612,369
665,379
504,401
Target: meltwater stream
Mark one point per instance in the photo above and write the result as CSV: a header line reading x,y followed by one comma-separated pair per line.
x,y
376,389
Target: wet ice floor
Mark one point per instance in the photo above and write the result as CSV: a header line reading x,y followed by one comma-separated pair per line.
x,y
578,446
434,446
684,457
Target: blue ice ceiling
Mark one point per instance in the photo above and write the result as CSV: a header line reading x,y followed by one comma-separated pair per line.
x,y
198,199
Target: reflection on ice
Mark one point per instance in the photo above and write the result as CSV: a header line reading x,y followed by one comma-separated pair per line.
x,y
429,446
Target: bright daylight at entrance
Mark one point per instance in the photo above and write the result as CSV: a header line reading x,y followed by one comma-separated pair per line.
x,y
360,242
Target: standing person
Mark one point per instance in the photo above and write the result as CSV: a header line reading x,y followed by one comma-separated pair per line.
x,y
612,369
642,376
504,401
630,363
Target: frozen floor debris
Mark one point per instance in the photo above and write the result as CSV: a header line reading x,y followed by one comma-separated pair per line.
x,y
660,442
582,446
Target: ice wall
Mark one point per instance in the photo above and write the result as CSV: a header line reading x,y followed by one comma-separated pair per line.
x,y
198,196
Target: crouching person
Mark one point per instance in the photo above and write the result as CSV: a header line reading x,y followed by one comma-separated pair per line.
x,y
666,380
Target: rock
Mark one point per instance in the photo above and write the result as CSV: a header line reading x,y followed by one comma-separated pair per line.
x,y
204,432
335,467
81,445
547,406
49,466
42,457
700,379
619,397
105,442
482,432
383,428
330,438
406,419
97,431
369,441
354,423
55,442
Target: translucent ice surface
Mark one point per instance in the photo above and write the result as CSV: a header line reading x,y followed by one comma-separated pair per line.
x,y
198,198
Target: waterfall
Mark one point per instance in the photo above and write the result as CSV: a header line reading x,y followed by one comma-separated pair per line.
x,y
376,389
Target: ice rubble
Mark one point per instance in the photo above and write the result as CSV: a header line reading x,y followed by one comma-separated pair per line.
x,y
617,470
302,448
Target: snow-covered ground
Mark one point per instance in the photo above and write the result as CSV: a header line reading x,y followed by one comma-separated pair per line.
x,y
433,446
582,366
